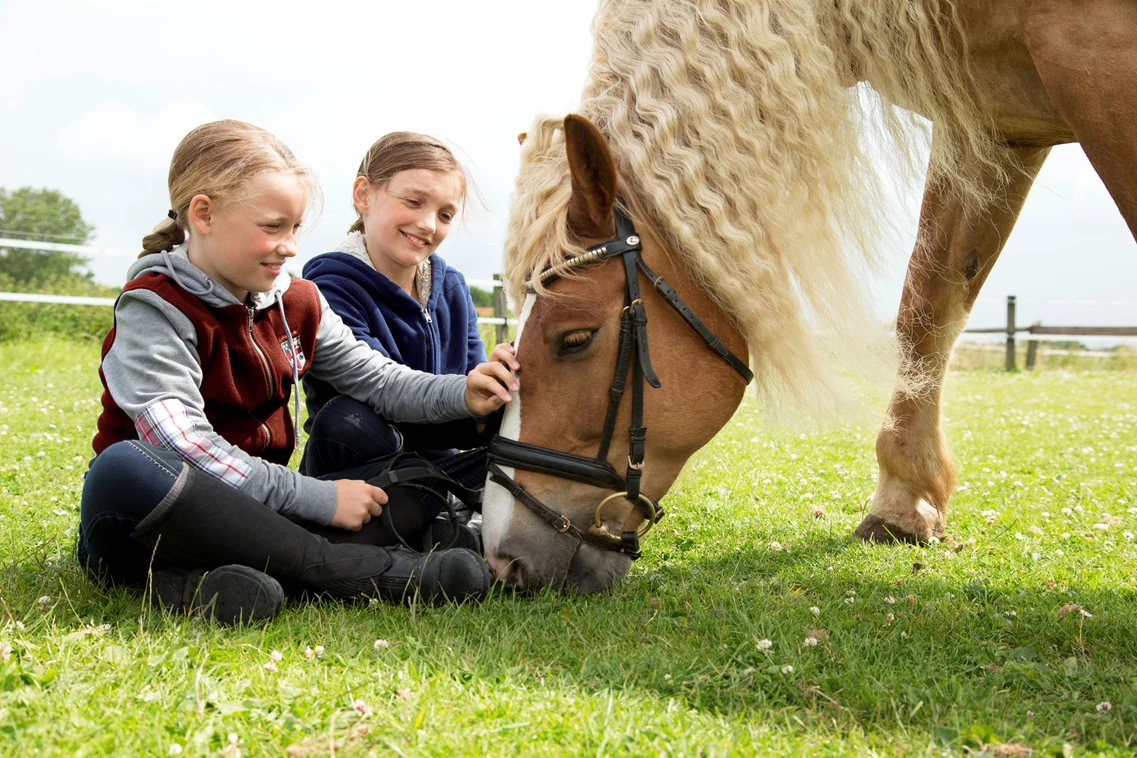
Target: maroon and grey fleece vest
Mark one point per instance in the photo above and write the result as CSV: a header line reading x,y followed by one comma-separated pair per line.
x,y
246,367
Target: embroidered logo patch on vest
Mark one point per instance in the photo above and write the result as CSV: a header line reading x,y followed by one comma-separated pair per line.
x,y
286,346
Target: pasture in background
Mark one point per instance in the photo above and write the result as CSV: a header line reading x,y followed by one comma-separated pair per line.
x,y
753,624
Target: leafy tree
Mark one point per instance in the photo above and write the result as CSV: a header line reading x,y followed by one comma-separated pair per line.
x,y
481,298
48,216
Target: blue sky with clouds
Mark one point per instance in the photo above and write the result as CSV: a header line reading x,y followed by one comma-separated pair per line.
x,y
96,96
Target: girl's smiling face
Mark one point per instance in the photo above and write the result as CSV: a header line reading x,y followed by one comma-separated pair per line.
x,y
243,244
406,218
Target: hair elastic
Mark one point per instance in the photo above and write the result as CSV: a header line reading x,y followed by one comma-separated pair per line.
x,y
173,215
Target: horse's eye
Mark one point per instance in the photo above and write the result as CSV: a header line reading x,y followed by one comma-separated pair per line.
x,y
576,341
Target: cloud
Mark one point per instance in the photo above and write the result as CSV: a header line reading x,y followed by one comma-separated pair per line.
x,y
112,130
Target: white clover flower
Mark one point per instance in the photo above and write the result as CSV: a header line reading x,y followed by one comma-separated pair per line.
x,y
1127,535
850,600
815,611
381,644
319,650
276,655
667,677
1085,613
989,514
787,669
904,635
764,645
890,600
1059,552
775,546
810,642
270,667
175,749
361,707
1020,536
1067,511
1046,514
45,600
5,652
1104,707
309,652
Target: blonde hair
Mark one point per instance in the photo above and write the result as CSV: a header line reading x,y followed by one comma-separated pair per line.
x,y
734,128
219,159
405,151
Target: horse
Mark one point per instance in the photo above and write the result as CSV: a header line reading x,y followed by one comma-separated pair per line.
x,y
716,197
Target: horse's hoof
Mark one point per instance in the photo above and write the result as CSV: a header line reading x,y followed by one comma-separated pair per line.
x,y
874,529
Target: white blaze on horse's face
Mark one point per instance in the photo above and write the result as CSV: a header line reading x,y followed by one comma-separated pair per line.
x,y
497,504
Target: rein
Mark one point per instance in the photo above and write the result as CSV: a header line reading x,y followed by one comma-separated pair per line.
x,y
632,355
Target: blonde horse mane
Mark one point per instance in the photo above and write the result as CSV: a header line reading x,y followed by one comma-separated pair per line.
x,y
737,139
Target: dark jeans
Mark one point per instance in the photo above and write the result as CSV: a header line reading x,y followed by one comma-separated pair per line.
x,y
347,438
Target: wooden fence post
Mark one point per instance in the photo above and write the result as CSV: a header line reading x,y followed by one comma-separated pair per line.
x,y
1010,332
499,309
1032,348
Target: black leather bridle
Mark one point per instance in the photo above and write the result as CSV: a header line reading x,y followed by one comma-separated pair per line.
x,y
632,354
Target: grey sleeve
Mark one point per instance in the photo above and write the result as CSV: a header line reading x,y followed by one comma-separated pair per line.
x,y
154,375
395,392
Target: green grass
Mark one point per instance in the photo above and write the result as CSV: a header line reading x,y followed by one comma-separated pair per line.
x,y
985,645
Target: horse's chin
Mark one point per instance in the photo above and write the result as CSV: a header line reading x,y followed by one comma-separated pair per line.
x,y
584,570
592,570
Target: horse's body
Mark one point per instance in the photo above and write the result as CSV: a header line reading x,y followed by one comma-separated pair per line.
x,y
732,146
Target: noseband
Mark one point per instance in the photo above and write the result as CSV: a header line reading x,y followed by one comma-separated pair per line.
x,y
632,354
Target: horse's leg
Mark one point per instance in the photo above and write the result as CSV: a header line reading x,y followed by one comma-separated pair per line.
x,y
1086,56
958,242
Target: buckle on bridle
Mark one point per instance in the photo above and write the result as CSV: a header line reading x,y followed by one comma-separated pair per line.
x,y
564,525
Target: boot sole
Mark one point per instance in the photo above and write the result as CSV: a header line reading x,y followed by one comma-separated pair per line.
x,y
234,595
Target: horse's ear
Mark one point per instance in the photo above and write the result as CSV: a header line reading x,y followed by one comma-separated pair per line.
x,y
521,137
593,180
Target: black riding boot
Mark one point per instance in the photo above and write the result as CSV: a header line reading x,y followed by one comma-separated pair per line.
x,y
206,523
232,595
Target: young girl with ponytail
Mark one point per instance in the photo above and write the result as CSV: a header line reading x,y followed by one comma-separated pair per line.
x,y
189,490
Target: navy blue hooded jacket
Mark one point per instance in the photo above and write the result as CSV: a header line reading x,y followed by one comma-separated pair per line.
x,y
440,339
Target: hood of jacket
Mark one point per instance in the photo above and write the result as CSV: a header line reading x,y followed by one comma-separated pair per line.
x,y
347,261
176,264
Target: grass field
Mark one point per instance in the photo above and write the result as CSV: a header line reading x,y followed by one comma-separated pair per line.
x,y
1012,634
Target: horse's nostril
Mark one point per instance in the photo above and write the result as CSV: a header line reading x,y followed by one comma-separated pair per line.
x,y
510,571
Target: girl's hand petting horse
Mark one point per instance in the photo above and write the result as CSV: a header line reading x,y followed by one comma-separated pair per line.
x,y
356,503
489,385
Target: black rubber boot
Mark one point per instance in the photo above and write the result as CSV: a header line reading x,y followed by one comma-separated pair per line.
x,y
204,522
232,595
464,530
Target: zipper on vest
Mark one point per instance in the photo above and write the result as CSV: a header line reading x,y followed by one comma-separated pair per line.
x,y
426,315
268,372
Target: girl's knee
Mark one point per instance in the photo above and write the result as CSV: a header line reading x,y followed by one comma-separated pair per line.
x,y
355,425
129,479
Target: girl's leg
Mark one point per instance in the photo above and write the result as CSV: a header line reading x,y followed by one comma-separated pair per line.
x,y
350,441
346,434
126,483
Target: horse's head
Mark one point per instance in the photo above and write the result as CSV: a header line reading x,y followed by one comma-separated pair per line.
x,y
544,524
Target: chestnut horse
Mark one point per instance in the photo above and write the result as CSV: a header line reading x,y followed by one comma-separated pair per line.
x,y
728,131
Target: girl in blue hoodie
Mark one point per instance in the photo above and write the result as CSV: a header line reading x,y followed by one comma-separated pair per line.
x,y
397,295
